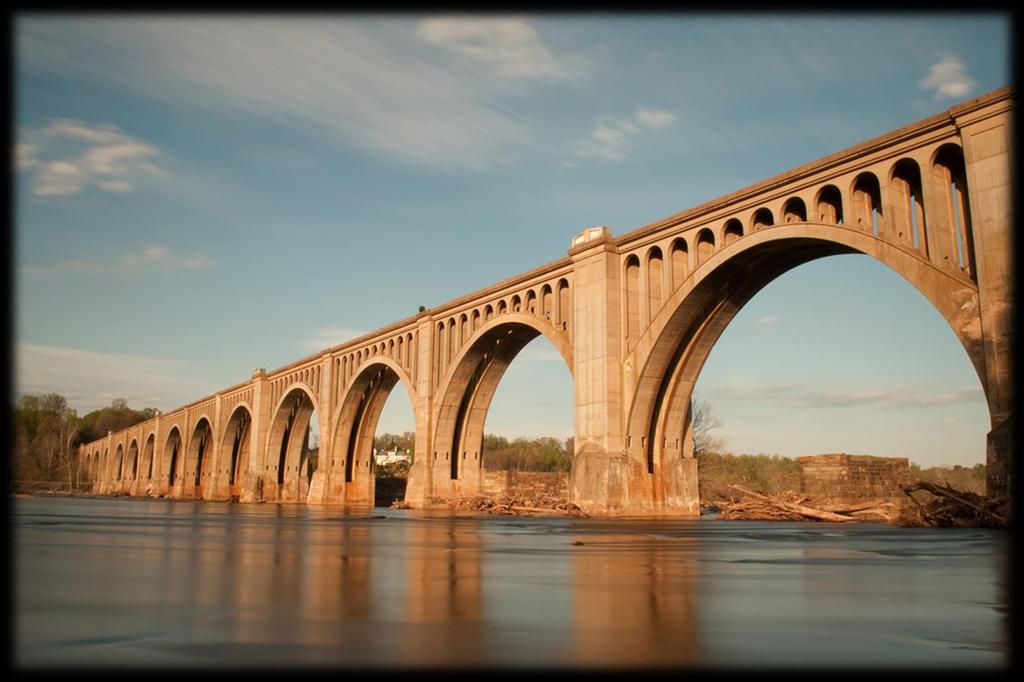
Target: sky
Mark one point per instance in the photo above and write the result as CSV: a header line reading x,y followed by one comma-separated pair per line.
x,y
199,196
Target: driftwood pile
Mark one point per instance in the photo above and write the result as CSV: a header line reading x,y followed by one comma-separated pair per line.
x,y
940,505
947,506
512,505
792,506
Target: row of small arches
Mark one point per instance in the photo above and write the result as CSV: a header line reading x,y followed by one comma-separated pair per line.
x,y
551,303
903,223
400,348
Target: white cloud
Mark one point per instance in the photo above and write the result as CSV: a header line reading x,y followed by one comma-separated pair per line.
x,y
90,380
610,138
111,160
151,260
655,118
768,319
327,337
360,81
510,47
948,77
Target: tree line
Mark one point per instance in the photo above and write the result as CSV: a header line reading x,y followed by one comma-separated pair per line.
x,y
47,433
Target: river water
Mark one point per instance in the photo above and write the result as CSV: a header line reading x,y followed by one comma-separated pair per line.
x,y
117,582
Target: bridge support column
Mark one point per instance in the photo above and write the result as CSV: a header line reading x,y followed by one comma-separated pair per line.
x,y
419,487
987,137
253,478
318,486
599,480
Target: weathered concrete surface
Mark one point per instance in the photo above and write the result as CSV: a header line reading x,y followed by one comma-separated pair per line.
x,y
634,317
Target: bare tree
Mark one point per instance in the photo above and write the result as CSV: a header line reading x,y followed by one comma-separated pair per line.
x,y
704,420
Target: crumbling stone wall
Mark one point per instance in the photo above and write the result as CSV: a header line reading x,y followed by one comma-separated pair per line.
x,y
849,479
526,483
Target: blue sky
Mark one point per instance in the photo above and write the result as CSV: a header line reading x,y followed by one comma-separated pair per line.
x,y
200,196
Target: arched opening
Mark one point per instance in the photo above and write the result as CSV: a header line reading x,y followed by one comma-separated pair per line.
x,y
705,245
794,211
293,446
950,176
235,445
762,218
171,455
632,283
878,372
733,231
355,458
867,203
907,213
466,398
680,262
199,467
393,438
531,302
659,424
133,459
830,205
564,305
527,428
655,277
547,304
119,463
147,457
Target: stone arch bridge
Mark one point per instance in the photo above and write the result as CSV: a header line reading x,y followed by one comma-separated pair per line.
x,y
633,316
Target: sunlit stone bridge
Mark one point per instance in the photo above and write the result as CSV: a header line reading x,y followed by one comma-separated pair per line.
x,y
633,316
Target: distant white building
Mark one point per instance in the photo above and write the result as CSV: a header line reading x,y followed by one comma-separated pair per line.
x,y
391,456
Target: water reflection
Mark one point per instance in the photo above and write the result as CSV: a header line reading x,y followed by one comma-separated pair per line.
x,y
167,583
634,602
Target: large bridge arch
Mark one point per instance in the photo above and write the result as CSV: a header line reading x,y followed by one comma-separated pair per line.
x,y
286,450
235,447
672,351
118,468
146,462
464,395
354,424
172,457
132,466
199,455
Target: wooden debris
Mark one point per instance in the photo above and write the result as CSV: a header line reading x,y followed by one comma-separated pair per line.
x,y
947,506
400,504
513,505
792,506
787,506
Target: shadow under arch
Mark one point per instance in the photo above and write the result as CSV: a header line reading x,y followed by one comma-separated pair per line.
x,y
355,422
234,447
198,460
132,464
172,456
466,391
677,344
287,450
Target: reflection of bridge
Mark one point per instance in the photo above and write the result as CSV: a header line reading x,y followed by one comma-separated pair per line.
x,y
634,317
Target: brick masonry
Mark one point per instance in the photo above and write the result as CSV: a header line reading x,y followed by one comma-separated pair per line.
x,y
526,483
849,479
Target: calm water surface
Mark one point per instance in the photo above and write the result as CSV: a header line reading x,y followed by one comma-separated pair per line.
x,y
122,582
